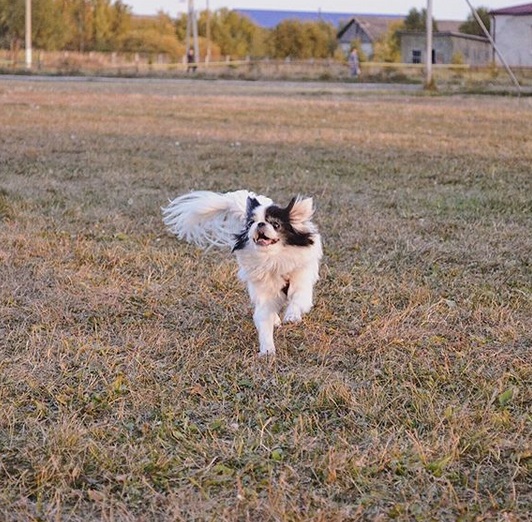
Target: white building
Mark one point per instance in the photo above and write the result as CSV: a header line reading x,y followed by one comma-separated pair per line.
x,y
511,28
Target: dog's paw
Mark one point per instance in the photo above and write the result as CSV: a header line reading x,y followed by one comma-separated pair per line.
x,y
292,315
270,352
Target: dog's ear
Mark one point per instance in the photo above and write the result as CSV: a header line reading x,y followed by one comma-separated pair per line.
x,y
251,204
300,209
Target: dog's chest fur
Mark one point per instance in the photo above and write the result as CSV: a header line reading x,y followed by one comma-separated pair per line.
x,y
260,266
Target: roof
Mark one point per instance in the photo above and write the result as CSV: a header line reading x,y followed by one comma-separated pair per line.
x,y
373,25
448,26
270,18
448,34
516,10
377,25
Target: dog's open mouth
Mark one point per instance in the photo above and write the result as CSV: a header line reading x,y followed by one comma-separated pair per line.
x,y
262,240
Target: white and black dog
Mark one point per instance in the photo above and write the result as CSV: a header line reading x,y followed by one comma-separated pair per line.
x,y
278,249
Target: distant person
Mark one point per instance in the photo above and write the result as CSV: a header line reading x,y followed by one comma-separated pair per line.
x,y
191,61
354,63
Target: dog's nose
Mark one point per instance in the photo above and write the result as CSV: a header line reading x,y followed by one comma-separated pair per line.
x,y
261,225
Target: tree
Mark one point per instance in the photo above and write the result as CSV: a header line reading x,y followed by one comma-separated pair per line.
x,y
47,24
12,13
417,21
233,34
471,26
152,35
94,24
78,20
101,25
295,39
287,39
388,47
121,20
320,38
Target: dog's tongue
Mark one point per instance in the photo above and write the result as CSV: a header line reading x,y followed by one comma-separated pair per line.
x,y
264,241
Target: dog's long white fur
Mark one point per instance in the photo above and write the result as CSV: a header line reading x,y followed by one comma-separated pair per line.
x,y
276,275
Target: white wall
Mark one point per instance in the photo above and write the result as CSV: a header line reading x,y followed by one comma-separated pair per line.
x,y
513,37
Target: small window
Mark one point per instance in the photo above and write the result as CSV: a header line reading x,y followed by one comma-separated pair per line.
x,y
416,56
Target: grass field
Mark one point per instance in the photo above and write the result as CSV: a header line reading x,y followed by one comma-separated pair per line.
x,y
130,386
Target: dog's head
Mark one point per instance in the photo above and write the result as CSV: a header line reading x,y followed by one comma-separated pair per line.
x,y
271,227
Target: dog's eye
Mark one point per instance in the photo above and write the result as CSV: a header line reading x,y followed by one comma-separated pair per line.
x,y
275,224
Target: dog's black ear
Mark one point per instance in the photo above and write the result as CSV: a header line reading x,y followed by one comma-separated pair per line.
x,y
300,209
290,205
251,204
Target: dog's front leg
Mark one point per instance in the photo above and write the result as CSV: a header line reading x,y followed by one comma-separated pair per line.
x,y
265,318
299,296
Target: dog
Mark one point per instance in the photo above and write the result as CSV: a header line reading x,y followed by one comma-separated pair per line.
x,y
278,249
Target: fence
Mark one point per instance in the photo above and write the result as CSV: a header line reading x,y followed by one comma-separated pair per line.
x,y
153,64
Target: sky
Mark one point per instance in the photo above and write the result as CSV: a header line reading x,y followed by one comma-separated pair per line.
x,y
442,9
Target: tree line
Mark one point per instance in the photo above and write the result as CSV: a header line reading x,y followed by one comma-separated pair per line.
x,y
109,25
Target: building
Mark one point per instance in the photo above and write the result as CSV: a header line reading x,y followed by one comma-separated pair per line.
x,y
511,29
269,18
448,47
366,29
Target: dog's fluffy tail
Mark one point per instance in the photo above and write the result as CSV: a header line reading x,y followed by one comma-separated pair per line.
x,y
209,218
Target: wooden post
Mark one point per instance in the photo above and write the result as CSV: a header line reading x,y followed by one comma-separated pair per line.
x,y
28,34
429,81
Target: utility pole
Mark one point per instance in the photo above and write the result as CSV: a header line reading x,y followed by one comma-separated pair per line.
x,y
208,57
28,34
429,82
192,30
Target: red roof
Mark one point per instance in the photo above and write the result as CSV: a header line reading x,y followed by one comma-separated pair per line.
x,y
516,10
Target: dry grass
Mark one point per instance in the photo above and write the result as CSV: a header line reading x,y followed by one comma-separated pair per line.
x,y
129,383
